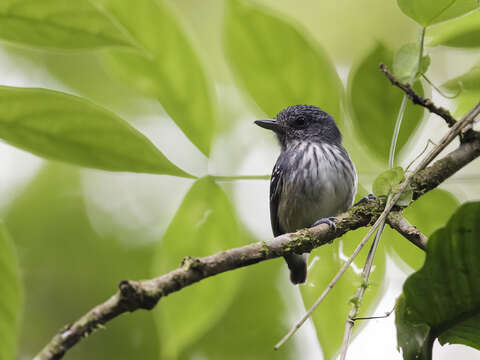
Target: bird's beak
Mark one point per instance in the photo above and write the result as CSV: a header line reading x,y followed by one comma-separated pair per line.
x,y
270,125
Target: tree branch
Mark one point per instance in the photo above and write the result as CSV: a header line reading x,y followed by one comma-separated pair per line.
x,y
134,295
418,99
396,220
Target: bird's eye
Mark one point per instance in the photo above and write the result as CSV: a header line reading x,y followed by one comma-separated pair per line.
x,y
300,122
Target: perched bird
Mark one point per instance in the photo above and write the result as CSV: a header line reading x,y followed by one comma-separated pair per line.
x,y
313,178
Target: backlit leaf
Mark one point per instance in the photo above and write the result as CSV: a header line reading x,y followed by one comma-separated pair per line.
x,y
164,66
467,87
204,224
276,64
68,128
61,24
374,104
384,183
463,32
428,12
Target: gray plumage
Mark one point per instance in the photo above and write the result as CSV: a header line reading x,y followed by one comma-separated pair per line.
x,y
313,177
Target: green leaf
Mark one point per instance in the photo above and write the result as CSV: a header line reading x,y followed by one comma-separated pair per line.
x,y
384,183
277,64
204,224
428,12
463,32
68,269
11,299
468,88
405,62
329,318
442,299
428,214
374,104
164,66
68,128
61,24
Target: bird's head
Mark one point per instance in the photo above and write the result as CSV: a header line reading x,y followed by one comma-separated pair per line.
x,y
303,122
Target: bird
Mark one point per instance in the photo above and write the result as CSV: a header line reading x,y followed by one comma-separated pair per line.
x,y
313,179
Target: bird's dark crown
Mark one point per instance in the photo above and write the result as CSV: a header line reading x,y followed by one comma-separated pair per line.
x,y
306,122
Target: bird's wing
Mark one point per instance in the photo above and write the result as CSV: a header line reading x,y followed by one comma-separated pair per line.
x,y
275,193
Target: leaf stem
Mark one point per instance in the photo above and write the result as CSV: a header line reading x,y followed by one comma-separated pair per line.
x,y
240,177
403,105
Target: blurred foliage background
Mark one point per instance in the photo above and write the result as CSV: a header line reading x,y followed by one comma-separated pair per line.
x,y
192,76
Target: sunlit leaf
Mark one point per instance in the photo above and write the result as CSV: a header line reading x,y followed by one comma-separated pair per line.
x,y
204,224
428,12
374,104
68,128
428,214
329,318
164,66
467,86
68,269
384,183
405,62
277,64
442,299
62,24
463,32
11,298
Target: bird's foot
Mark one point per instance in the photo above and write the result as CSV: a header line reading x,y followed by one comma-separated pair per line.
x,y
365,198
329,221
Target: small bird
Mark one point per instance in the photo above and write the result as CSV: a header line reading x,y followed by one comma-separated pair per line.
x,y
313,179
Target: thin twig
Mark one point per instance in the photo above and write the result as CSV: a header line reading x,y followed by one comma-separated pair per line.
x,y
421,153
387,314
398,222
418,99
440,91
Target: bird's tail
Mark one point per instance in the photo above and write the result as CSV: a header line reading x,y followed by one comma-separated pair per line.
x,y
298,267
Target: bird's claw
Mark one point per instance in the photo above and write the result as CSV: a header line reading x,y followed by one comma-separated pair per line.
x,y
329,221
365,198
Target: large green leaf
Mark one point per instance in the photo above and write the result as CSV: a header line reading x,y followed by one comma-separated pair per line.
x,y
468,88
11,298
165,66
62,24
204,224
442,299
277,64
68,269
463,32
68,128
374,104
428,12
329,318
428,214
255,322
